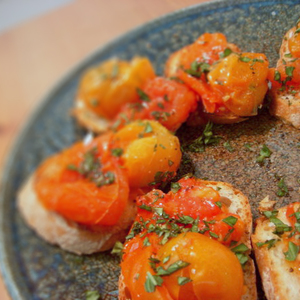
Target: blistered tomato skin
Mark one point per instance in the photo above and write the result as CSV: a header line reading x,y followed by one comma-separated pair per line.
x,y
151,153
62,188
207,48
164,100
241,82
106,88
180,239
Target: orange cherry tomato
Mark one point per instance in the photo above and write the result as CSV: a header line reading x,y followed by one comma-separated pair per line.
x,y
207,48
164,100
136,267
151,154
214,270
106,88
286,75
241,80
84,183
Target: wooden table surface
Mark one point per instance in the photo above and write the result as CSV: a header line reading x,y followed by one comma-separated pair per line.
x,y
35,54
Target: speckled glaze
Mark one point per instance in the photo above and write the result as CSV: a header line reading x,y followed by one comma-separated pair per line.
x,y
32,269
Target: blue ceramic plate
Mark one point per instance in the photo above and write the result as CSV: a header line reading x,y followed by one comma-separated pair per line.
x,y
31,268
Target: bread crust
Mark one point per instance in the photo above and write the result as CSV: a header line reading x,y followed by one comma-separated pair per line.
x,y
280,279
286,106
67,234
238,204
88,118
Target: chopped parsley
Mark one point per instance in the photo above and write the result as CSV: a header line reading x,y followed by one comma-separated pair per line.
x,y
265,152
143,96
282,188
117,152
175,187
226,53
292,252
198,68
92,295
228,146
207,138
183,280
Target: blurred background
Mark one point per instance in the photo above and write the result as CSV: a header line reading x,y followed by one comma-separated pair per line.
x,y
40,40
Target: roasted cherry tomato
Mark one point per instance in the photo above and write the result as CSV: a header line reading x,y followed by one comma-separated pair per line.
x,y
241,81
208,48
286,75
84,183
213,271
164,100
151,153
106,88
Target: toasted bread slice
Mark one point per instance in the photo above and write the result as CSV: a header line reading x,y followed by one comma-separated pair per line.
x,y
67,234
285,104
237,203
280,277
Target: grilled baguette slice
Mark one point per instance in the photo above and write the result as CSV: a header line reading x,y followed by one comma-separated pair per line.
x,y
280,278
67,234
285,104
237,203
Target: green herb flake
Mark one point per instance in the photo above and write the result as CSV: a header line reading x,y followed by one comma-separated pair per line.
x,y
241,248
214,235
166,259
148,128
175,187
283,189
280,227
288,55
231,220
297,31
117,249
219,204
92,295
226,53
145,207
178,265
270,243
265,152
292,252
183,280
143,96
243,258
277,76
72,167
146,242
117,152
228,146
152,281
245,59
289,71
170,163
94,102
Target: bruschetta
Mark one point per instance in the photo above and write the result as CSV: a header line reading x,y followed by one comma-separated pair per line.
x,y
82,198
276,246
191,243
231,85
285,79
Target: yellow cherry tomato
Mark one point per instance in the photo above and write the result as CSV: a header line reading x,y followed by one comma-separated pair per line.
x,y
151,153
213,271
106,88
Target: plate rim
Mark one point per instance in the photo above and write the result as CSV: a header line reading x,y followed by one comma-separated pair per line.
x,y
12,285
